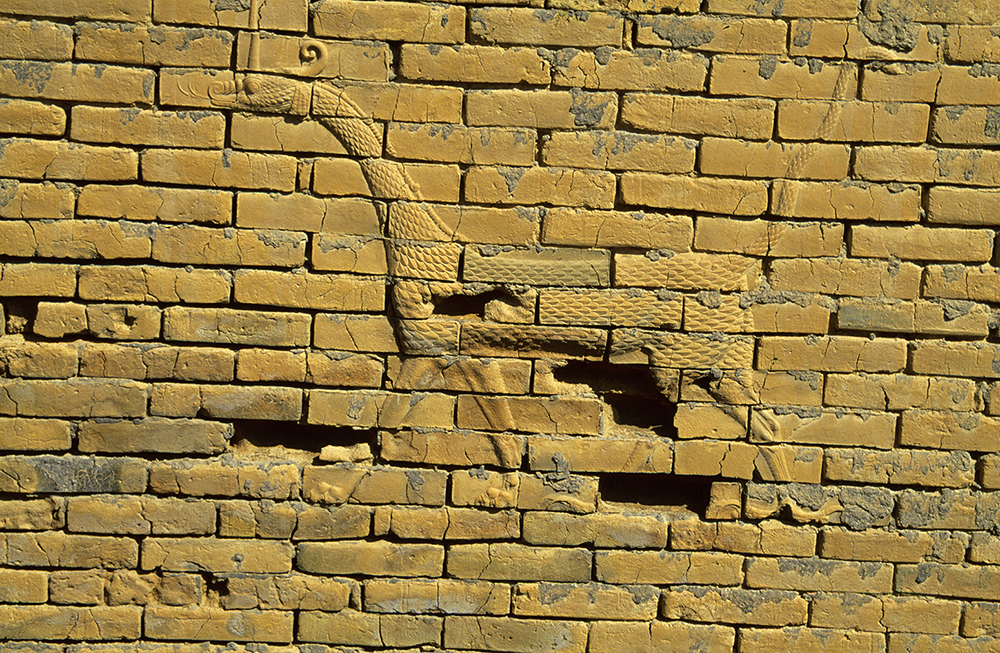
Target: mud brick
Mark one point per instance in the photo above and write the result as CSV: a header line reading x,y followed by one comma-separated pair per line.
x,y
732,117
36,40
542,109
482,224
769,77
604,455
461,374
567,415
808,639
448,524
35,159
449,448
687,271
154,435
900,82
845,201
371,558
304,290
855,121
815,575
389,21
972,206
713,421
77,82
585,601
669,568
99,623
33,514
71,551
225,169
167,622
483,488
723,156
612,636
950,430
971,44
236,326
559,186
290,592
635,70
215,555
532,341
349,483
149,203
113,514
792,9
735,605
32,201
928,468
964,86
139,127
958,581
472,63
824,427
123,10
715,195
343,369
619,151
154,46
601,530
251,402
964,126
518,562
769,238
277,134
712,34
290,15
30,119
552,267
981,619
358,60
841,276
355,333
538,27
437,596
956,359
832,354
582,227
899,391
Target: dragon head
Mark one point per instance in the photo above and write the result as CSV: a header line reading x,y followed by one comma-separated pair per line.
x,y
259,93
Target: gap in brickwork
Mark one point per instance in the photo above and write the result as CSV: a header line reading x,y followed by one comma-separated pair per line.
x,y
657,490
274,440
467,305
635,400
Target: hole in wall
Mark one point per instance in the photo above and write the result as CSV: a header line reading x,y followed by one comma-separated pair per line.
x,y
468,305
260,439
634,398
691,493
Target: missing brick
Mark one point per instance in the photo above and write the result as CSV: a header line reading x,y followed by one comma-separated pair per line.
x,y
680,493
268,440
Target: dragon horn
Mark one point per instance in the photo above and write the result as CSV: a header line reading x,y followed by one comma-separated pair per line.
x,y
253,59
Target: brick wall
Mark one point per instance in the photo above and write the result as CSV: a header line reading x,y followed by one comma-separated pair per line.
x,y
604,326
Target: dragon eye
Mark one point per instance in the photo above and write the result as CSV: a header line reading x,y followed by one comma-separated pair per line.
x,y
251,86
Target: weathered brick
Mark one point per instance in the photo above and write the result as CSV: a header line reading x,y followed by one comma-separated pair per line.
x,y
904,467
448,448
518,562
635,70
31,119
284,15
114,514
723,156
770,77
560,186
35,159
848,200
585,601
735,605
359,60
540,27
251,402
154,46
437,596
611,455
345,483
99,623
389,21
843,276
514,635
154,434
956,359
732,117
853,121
139,127
123,10
883,546
716,195
899,391
236,326
225,169
542,109
371,558
304,290
960,581
71,551
795,8
768,237
472,63
163,204
33,201
603,530
367,409
216,555
832,354
950,430
534,414
669,568
355,333
168,622
816,575
927,164
638,637
796,640
77,82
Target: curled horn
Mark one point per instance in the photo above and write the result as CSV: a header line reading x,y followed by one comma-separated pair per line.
x,y
314,57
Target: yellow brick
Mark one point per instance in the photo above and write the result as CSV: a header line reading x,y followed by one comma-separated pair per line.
x,y
768,238
534,414
101,623
542,109
900,82
211,246
483,224
164,204
751,159
136,11
715,458
905,467
609,308
58,160
389,21
877,546
842,276
604,455
865,41
768,76
406,102
358,60
141,283
284,15
971,44
31,118
448,596
811,38
963,86
154,46
518,562
964,167
900,391
237,326
225,169
584,601
791,8
34,435
472,63
832,354
468,448
482,146
189,87
715,195
733,605
961,282
636,70
34,201
814,574
276,134
750,118
371,558
461,374
669,568
801,640
169,622
304,290
355,333
965,125
711,34
619,151
138,127
36,40
537,27
77,82
846,201
922,243
958,581
560,186
853,121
